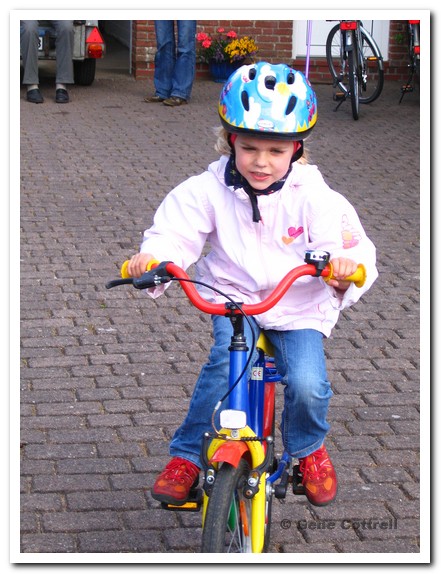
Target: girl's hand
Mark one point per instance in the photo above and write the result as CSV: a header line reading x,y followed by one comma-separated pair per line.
x,y
138,264
341,268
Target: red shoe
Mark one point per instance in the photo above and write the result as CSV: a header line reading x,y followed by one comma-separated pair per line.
x,y
319,477
174,483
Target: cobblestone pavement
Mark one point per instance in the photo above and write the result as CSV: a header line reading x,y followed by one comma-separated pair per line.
x,y
107,375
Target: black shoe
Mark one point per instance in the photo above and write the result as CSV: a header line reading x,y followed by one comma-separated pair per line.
x,y
34,96
61,96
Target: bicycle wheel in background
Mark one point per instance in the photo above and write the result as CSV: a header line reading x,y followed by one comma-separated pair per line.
x,y
227,524
414,45
373,73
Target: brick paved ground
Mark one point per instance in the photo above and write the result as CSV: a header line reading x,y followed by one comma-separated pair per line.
x,y
106,375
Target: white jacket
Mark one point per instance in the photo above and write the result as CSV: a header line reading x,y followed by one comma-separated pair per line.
x,y
246,260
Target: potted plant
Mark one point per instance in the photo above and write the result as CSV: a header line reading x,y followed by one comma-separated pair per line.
x,y
225,52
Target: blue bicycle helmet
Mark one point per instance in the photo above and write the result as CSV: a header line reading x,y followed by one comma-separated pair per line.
x,y
271,100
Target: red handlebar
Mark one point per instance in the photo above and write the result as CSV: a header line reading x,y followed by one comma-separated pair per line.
x,y
272,299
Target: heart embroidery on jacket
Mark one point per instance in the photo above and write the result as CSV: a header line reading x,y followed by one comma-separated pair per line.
x,y
293,233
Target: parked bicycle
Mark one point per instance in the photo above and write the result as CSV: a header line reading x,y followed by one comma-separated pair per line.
x,y
413,42
355,63
241,472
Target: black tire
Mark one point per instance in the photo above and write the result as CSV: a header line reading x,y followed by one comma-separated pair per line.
x,y
414,35
226,528
373,71
353,83
337,61
268,516
84,71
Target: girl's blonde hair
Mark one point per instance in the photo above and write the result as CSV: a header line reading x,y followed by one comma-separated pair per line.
x,y
223,147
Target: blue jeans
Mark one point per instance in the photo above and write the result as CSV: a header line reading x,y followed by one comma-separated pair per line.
x,y
300,360
175,62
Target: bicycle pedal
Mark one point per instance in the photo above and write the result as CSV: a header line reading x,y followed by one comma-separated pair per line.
x,y
281,488
339,96
193,504
406,89
297,476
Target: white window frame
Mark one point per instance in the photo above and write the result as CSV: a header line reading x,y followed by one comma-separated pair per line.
x,y
379,29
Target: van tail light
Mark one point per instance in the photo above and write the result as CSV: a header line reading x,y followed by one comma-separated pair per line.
x,y
95,44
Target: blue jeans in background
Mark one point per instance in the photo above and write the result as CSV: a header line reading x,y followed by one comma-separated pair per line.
x,y
300,360
175,60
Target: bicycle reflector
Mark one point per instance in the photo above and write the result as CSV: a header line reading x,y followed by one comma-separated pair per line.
x,y
348,25
233,419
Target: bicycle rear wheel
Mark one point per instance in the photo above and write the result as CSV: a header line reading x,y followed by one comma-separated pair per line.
x,y
227,525
338,63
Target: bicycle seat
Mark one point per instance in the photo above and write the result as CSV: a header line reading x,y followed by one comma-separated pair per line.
x,y
264,345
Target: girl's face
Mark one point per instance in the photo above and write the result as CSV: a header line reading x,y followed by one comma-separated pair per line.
x,y
262,162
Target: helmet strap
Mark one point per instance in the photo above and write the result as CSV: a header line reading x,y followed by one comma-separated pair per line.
x,y
233,178
298,151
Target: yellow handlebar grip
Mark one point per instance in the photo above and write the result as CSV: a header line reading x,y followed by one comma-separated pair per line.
x,y
124,267
151,263
124,272
359,277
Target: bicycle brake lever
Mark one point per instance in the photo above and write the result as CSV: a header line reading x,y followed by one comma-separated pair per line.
x,y
117,282
153,278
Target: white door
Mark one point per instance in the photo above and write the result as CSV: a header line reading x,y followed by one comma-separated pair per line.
x,y
378,29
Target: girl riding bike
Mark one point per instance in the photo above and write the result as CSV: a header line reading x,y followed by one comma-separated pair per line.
x,y
260,206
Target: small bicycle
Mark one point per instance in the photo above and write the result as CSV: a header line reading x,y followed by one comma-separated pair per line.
x,y
241,472
356,64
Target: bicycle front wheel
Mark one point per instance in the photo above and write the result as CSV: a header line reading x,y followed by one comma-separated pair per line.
x,y
227,524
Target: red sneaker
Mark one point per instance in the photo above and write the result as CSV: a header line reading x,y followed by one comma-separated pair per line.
x,y
174,483
319,477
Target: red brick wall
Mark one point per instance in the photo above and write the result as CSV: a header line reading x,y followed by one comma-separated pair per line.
x,y
274,39
143,48
396,68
